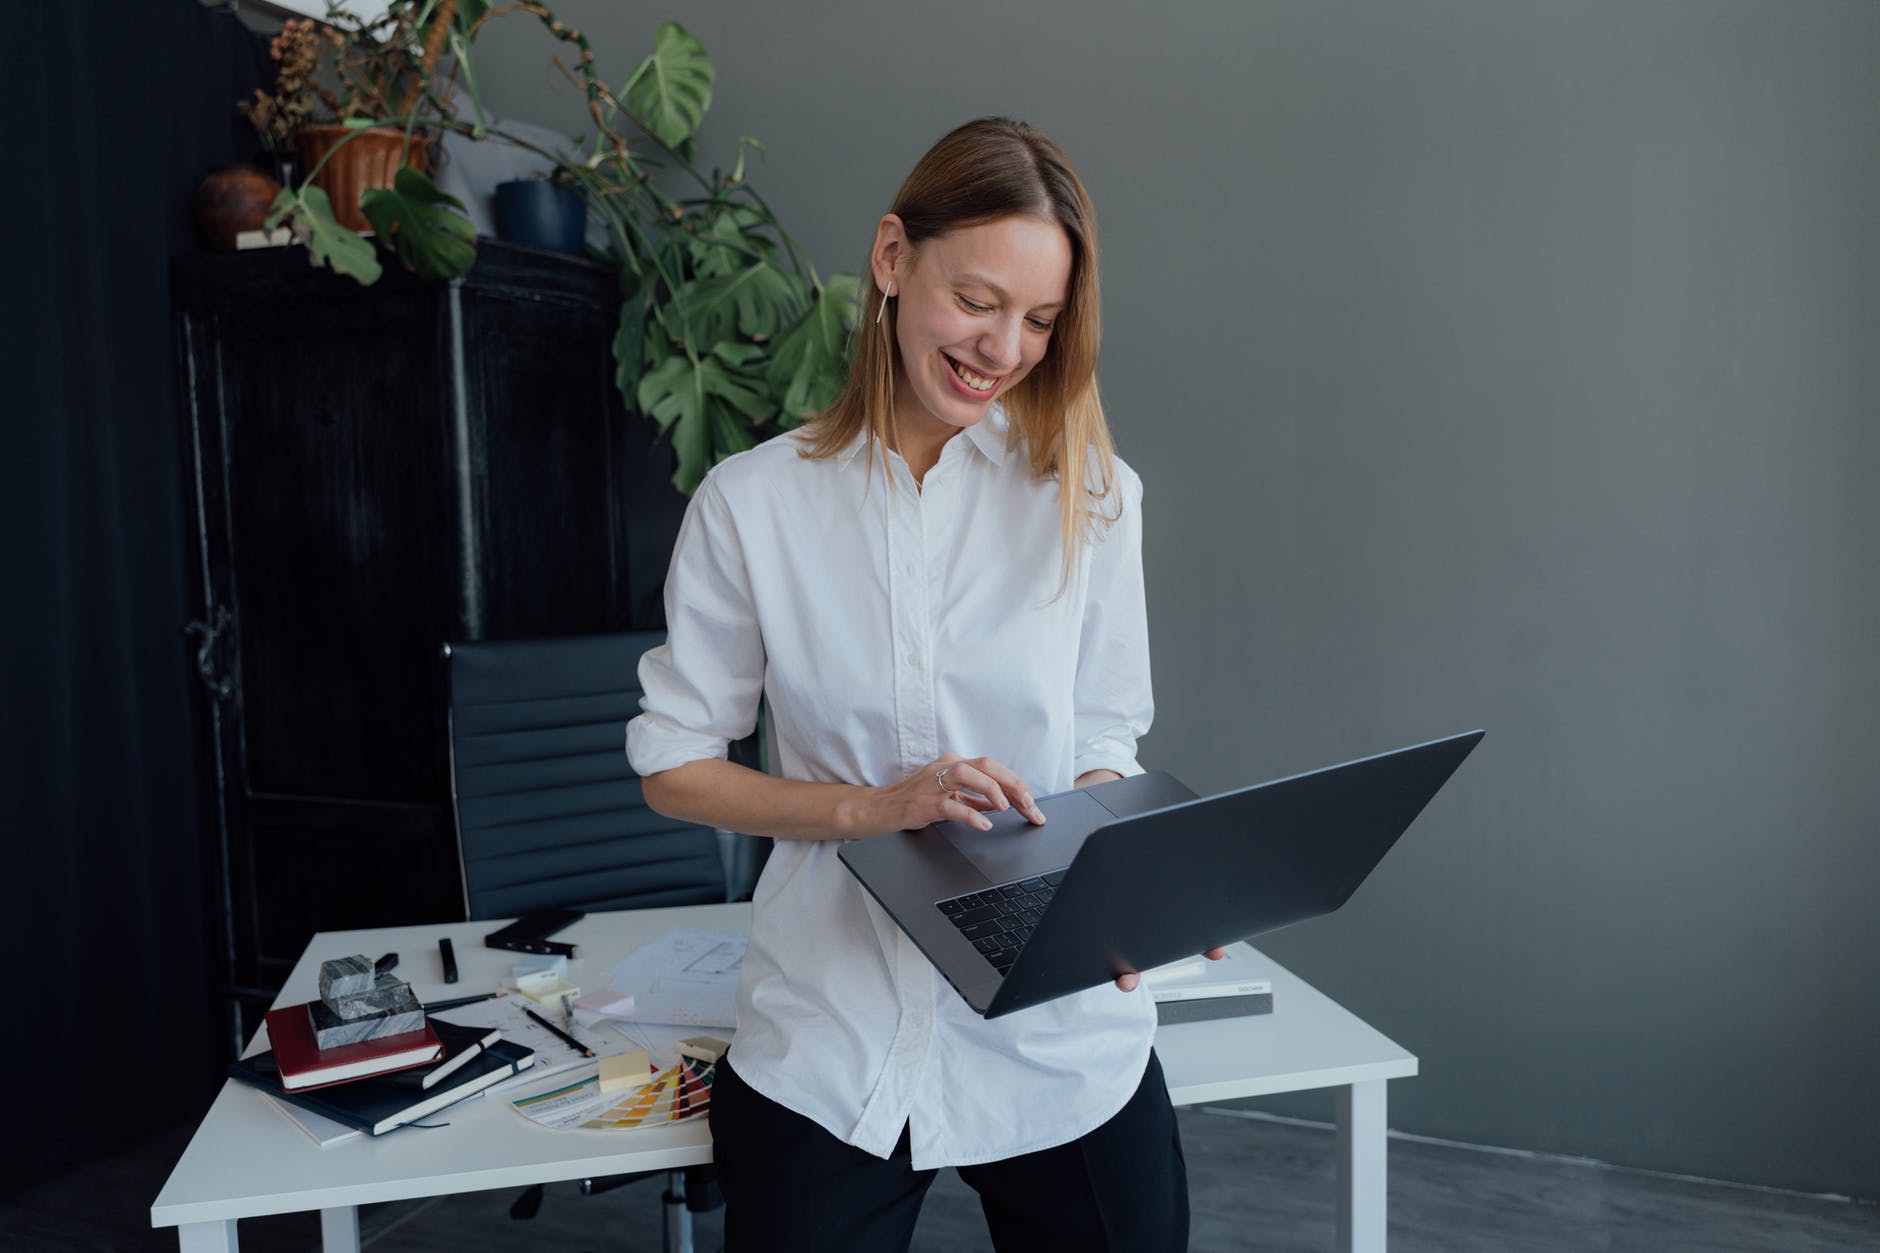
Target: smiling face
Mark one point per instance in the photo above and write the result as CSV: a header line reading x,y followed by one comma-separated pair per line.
x,y
974,309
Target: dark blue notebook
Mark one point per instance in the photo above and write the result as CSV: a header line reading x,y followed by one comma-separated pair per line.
x,y
376,1106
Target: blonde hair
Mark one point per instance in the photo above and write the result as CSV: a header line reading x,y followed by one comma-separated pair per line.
x,y
989,169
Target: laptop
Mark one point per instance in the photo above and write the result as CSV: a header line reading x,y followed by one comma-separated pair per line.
x,y
1137,872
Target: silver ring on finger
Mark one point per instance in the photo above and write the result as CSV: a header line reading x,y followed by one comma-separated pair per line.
x,y
940,777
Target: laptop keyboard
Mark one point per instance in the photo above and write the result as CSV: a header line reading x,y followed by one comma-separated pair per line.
x,y
999,920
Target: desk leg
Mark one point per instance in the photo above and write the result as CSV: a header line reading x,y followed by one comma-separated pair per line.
x,y
1361,1150
339,1229
207,1237
675,1218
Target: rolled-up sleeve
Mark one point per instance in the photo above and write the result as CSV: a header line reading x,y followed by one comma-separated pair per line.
x,y
702,685
1113,702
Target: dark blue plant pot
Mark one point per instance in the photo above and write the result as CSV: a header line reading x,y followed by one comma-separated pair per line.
x,y
541,214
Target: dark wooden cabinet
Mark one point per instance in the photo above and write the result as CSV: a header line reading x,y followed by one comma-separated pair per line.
x,y
374,471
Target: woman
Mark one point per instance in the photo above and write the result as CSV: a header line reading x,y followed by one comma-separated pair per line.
x,y
940,632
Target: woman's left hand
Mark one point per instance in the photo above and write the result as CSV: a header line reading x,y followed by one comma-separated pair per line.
x,y
1128,982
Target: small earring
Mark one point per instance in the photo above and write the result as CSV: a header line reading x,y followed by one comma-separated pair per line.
x,y
884,302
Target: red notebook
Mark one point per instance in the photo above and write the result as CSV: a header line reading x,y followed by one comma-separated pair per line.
x,y
303,1065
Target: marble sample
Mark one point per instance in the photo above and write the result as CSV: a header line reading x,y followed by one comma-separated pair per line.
x,y
345,976
390,1008
351,1007
383,995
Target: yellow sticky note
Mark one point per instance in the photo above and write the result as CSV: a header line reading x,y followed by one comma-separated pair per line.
x,y
546,988
626,1070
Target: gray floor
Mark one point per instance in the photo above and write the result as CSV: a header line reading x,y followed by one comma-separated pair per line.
x,y
1255,1184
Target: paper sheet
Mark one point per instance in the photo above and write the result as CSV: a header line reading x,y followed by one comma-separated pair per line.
x,y
322,1130
566,1106
660,1041
683,978
552,1054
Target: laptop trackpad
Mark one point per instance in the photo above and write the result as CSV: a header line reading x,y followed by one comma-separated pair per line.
x,y
1014,849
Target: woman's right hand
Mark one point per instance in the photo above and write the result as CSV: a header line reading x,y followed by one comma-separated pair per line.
x,y
972,789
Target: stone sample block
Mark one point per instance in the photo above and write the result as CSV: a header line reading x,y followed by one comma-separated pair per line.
x,y
345,976
390,1008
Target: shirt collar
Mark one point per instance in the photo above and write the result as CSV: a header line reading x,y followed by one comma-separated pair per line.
x,y
991,435
855,445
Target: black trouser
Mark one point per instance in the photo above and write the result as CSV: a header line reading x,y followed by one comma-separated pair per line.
x,y
791,1186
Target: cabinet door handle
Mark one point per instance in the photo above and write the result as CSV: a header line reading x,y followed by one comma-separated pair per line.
x,y
208,668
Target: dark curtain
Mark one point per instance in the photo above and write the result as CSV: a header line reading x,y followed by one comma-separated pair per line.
x,y
113,110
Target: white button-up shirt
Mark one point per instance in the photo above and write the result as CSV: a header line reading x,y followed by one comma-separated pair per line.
x,y
884,628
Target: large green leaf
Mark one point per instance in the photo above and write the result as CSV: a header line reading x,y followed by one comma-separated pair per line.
x,y
721,247
673,395
428,228
309,214
811,359
734,374
659,345
758,300
672,88
671,252
699,405
728,434
734,379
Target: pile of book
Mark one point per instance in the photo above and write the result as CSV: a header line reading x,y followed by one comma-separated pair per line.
x,y
1195,989
365,1056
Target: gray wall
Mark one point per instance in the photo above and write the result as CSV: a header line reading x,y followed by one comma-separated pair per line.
x,y
1489,363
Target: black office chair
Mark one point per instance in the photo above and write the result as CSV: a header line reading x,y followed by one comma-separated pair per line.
x,y
548,810
549,813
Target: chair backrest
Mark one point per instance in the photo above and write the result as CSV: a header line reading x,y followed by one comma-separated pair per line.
x,y
548,811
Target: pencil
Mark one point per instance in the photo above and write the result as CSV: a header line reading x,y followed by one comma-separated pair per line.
x,y
567,1039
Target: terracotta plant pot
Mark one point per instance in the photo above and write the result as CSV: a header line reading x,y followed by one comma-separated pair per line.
x,y
232,199
368,160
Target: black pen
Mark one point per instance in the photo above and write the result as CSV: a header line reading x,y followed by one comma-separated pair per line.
x,y
431,1007
572,1043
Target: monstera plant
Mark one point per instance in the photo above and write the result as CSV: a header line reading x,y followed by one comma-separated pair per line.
x,y
727,334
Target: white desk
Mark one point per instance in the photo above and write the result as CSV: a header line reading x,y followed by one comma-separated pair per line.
x,y
246,1159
